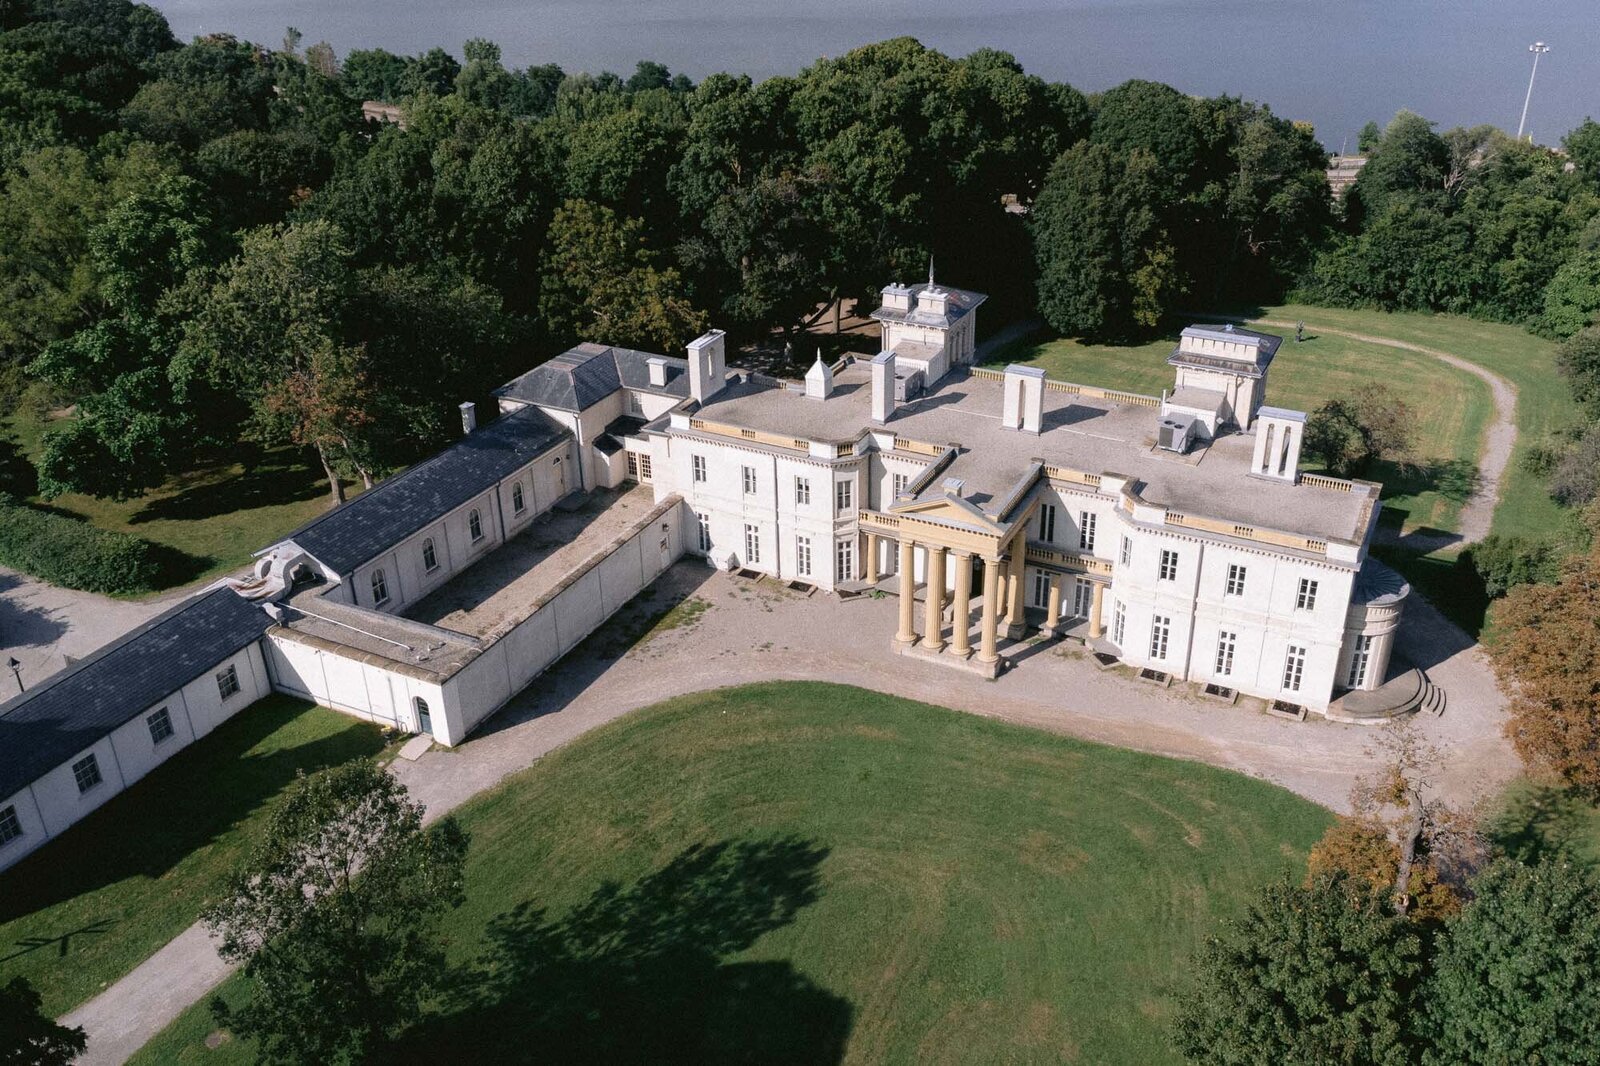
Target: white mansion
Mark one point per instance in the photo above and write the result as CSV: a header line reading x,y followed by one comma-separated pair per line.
x,y
1173,533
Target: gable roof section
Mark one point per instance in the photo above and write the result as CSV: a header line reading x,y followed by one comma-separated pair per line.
x,y
958,304
393,510
581,377
68,711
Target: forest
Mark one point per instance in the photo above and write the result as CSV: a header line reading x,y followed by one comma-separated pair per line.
x,y
208,247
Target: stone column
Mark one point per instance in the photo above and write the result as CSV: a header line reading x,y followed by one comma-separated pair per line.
x,y
933,590
908,592
1019,565
987,651
1052,611
872,558
1095,628
961,620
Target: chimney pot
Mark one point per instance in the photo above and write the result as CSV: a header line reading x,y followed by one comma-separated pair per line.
x,y
469,417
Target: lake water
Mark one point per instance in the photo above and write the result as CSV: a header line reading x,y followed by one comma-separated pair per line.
x,y
1335,63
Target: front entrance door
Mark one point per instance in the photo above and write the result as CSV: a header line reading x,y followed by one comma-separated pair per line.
x,y
1082,597
424,719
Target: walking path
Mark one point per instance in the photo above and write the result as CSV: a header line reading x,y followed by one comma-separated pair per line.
x,y
761,631
1477,513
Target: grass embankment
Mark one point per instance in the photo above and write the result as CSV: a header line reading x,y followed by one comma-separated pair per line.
x,y
810,872
205,522
96,901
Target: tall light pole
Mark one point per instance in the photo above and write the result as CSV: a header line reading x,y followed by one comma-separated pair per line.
x,y
1538,48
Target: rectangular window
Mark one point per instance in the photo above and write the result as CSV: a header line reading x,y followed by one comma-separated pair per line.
x,y
10,827
752,544
1126,555
635,403
702,523
1041,589
1160,633
899,483
749,480
1047,522
1235,586
1169,565
1358,661
1294,668
1086,531
430,558
844,495
160,725
639,467
228,682
1119,623
802,556
1082,597
802,491
845,561
644,468
1225,644
697,463
1306,600
86,771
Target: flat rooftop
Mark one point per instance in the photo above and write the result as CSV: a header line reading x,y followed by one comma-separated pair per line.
x,y
504,585
1092,435
377,636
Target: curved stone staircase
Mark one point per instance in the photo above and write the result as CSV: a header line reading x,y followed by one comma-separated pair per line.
x,y
1408,692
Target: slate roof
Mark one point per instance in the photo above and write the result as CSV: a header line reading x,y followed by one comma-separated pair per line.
x,y
1265,344
581,377
958,304
388,513
68,711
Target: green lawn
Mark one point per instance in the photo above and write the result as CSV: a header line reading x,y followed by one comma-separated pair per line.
x,y
209,519
95,902
1452,407
811,873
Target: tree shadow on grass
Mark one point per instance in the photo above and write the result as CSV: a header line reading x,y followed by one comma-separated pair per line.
x,y
183,805
638,973
1454,479
278,477
1538,821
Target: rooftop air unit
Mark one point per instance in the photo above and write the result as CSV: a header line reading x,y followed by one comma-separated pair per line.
x,y
1174,433
908,388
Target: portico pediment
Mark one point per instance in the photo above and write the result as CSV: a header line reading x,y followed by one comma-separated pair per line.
x,y
952,510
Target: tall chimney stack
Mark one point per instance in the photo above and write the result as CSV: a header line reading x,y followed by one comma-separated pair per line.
x,y
708,367
469,417
883,402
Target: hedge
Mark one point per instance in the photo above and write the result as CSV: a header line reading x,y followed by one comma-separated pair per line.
x,y
64,551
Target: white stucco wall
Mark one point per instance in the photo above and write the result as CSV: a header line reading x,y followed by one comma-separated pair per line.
x,y
366,690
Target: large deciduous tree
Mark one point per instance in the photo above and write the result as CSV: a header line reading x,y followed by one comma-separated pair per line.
x,y
1315,974
1350,434
333,917
30,1037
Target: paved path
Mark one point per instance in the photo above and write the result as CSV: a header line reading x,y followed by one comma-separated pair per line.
x,y
758,631
41,625
1477,513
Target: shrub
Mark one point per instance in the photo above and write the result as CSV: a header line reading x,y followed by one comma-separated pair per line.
x,y
1575,482
1506,562
75,554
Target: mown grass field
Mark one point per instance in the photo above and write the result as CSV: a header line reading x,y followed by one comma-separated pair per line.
x,y
209,519
1452,407
96,901
813,873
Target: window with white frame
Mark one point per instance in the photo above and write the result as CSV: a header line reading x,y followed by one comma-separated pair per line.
x,y
228,682
749,473
844,561
160,724
1160,634
1226,643
1047,522
1294,668
697,464
1119,623
430,557
1235,585
1041,589
1169,565
86,772
844,495
1306,598
1082,597
635,403
10,826
1359,657
898,483
474,525
802,491
1086,522
702,522
380,588
1125,556
639,467
802,556
519,503
752,544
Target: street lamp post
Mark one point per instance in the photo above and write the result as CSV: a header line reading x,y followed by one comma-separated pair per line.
x,y
16,671
1538,48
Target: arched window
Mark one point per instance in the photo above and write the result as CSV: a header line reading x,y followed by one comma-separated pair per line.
x,y
430,558
517,503
380,588
475,525
424,719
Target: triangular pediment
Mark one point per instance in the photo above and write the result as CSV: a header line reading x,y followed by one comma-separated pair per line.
x,y
951,509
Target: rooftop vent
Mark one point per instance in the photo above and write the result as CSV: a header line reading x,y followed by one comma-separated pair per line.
x,y
1174,433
